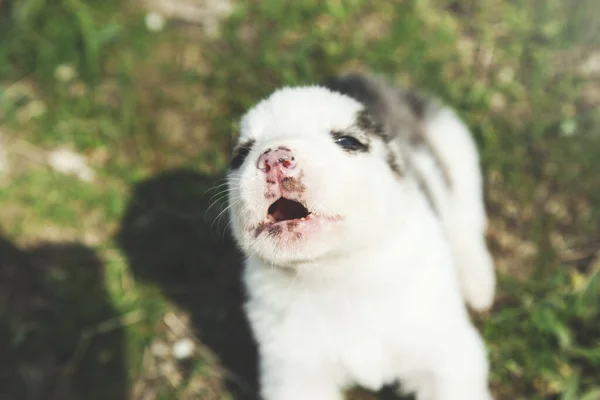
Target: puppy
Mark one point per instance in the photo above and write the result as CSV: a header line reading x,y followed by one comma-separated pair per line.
x,y
359,208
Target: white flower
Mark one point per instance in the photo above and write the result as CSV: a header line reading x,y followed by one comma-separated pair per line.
x,y
183,348
65,72
155,22
70,163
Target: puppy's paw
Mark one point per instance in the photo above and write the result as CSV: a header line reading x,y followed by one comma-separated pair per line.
x,y
479,288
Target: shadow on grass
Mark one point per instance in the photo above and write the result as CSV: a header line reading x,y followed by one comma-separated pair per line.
x,y
52,303
169,240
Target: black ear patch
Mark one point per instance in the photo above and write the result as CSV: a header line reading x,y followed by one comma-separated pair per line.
x,y
417,103
240,154
356,86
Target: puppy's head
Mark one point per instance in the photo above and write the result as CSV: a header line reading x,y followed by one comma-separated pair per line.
x,y
312,176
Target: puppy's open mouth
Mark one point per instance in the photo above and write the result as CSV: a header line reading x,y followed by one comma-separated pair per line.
x,y
287,210
291,220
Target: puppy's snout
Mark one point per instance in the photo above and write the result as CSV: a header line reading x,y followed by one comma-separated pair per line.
x,y
280,158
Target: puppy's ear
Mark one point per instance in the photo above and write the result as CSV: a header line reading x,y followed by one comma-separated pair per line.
x,y
356,86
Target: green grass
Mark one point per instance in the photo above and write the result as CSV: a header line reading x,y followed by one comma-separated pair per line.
x,y
142,104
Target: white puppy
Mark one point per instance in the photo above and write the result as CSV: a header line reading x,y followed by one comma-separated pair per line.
x,y
359,207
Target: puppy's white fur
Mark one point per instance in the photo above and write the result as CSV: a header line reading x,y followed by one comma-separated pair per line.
x,y
373,294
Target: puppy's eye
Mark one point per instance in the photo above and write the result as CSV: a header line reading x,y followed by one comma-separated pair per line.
x,y
240,155
350,143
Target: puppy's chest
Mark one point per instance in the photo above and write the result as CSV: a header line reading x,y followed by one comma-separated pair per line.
x,y
355,328
365,342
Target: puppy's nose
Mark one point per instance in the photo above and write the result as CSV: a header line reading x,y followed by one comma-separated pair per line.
x,y
281,158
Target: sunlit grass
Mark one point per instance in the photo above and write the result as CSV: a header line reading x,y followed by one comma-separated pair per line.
x,y
136,103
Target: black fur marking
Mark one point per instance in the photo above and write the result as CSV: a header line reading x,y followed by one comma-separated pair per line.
x,y
418,103
393,164
240,154
362,90
356,86
427,193
370,126
440,164
397,113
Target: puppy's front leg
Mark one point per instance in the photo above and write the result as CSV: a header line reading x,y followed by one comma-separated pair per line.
x,y
288,383
461,369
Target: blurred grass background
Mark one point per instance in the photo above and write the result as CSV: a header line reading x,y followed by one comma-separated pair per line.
x,y
114,280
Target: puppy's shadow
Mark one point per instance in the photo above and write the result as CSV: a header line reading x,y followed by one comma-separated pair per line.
x,y
52,306
171,240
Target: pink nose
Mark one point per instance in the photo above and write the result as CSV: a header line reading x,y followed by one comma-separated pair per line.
x,y
281,158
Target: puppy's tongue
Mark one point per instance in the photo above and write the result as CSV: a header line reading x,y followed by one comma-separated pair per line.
x,y
278,214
